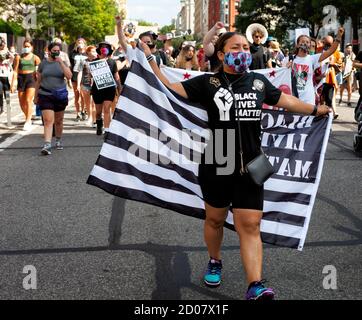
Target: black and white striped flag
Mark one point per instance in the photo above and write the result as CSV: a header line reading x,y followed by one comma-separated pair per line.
x,y
155,137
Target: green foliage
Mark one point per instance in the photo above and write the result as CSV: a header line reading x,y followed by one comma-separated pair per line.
x,y
278,16
11,27
144,23
167,29
91,19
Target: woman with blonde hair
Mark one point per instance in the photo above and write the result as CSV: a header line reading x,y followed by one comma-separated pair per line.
x,y
187,59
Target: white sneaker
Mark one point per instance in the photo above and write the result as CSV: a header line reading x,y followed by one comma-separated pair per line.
x,y
27,126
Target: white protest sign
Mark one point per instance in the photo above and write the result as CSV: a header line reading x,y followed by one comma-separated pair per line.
x,y
102,74
301,32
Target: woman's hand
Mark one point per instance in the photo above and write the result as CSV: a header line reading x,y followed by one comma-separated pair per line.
x,y
58,59
145,48
118,21
219,25
323,110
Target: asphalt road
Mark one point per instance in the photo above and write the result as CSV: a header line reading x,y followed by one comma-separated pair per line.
x,y
85,244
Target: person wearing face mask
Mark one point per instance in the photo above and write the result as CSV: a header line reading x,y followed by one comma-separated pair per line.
x,y
104,98
85,82
52,96
63,55
25,66
303,66
150,38
187,59
233,98
313,47
78,56
6,62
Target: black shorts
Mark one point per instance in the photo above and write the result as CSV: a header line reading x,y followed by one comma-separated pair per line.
x,y
25,81
328,93
50,103
75,77
237,191
107,94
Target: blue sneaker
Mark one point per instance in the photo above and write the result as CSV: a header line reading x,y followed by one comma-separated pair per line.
x,y
212,277
257,291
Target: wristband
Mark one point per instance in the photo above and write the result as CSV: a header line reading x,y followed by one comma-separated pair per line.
x,y
315,110
150,58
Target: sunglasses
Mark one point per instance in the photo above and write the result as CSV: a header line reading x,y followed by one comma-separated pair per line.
x,y
258,37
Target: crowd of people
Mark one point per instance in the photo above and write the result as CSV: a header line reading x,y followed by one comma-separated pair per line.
x,y
318,69
229,56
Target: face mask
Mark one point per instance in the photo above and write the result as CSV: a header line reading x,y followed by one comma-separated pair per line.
x,y
188,59
238,61
312,52
151,45
304,47
55,55
326,47
105,51
26,50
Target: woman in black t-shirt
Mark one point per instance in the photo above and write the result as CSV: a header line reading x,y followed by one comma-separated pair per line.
x,y
103,98
229,96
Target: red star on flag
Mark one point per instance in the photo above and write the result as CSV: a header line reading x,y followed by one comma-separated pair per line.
x,y
272,74
187,76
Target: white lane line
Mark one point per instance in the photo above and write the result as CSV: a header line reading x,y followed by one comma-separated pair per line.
x,y
9,141
16,137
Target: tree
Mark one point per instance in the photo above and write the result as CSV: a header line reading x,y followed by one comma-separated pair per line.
x,y
278,16
144,23
91,19
167,29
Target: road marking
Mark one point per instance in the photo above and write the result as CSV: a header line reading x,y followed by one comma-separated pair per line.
x,y
9,141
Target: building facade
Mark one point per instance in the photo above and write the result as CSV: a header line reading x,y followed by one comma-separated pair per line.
x,y
186,18
233,13
201,17
224,11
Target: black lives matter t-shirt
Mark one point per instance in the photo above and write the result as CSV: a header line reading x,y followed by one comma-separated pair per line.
x,y
251,90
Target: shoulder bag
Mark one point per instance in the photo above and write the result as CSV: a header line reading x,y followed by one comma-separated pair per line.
x,y
259,169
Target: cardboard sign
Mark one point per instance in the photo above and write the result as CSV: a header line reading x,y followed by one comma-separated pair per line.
x,y
102,74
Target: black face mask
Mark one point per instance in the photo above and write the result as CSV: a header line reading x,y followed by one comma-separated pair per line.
x,y
55,55
151,45
326,47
